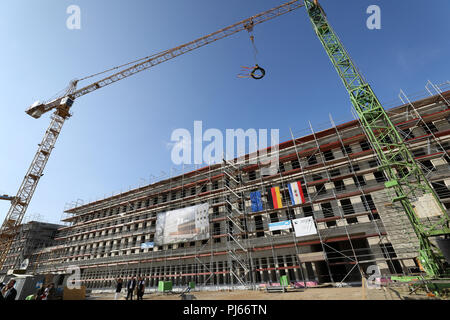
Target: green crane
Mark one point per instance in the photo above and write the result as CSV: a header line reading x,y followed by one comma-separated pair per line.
x,y
406,183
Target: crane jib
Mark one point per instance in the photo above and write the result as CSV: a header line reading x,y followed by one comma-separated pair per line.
x,y
63,103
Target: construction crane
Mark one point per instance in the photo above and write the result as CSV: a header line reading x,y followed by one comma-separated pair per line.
x,y
407,182
62,104
406,179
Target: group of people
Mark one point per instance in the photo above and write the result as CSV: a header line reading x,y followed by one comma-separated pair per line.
x,y
7,291
133,286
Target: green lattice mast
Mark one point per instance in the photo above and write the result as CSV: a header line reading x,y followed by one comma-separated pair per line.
x,y
393,154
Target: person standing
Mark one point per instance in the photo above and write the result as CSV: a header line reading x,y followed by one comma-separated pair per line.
x,y
40,293
2,285
8,292
49,292
130,287
140,288
118,288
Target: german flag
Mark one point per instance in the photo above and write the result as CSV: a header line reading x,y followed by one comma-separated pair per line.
x,y
274,197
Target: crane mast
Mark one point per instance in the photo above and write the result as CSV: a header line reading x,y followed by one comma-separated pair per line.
x,y
407,183
62,105
21,201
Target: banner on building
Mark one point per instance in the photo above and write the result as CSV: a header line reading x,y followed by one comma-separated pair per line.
x,y
282,225
274,197
255,198
304,227
182,225
296,193
147,245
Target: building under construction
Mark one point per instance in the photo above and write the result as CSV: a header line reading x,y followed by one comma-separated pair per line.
x,y
342,185
31,238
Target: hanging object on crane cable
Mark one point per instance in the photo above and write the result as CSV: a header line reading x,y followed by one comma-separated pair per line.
x,y
255,72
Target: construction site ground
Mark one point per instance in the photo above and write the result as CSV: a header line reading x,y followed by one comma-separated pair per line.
x,y
353,293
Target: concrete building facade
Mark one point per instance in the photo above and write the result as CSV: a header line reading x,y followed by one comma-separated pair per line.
x,y
357,225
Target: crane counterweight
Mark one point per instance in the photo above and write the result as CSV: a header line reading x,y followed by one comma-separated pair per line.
x,y
63,104
36,110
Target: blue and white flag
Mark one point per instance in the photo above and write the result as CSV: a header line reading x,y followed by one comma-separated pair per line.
x,y
296,193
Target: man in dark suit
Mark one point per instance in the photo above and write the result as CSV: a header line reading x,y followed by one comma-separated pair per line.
x,y
131,284
8,291
140,288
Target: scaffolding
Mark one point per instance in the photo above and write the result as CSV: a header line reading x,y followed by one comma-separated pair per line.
x,y
343,186
32,236
239,255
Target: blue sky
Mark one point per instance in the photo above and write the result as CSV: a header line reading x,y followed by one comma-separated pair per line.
x,y
119,135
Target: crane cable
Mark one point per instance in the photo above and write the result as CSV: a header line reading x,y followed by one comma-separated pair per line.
x,y
255,50
72,85
257,72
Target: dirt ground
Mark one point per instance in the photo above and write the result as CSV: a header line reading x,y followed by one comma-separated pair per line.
x,y
309,294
